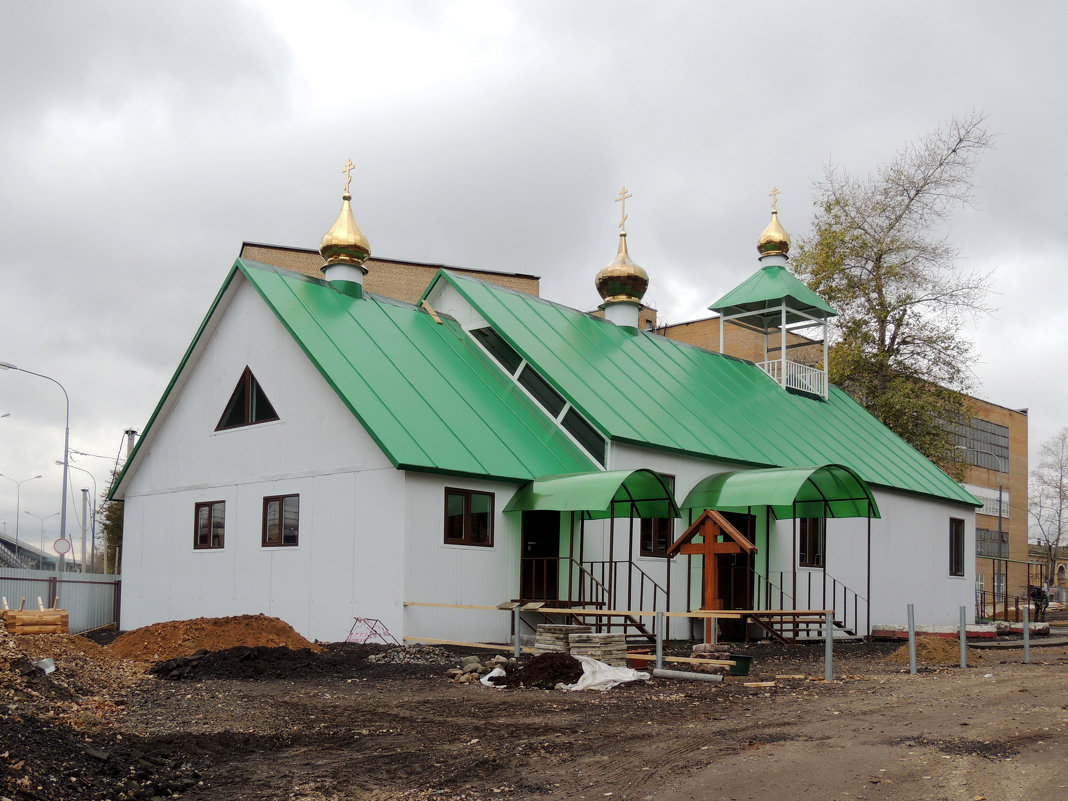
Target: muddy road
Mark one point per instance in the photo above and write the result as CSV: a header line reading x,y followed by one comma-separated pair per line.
x,y
344,728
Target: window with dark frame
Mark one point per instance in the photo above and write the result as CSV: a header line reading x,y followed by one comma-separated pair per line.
x,y
281,520
956,547
247,406
812,541
657,533
468,517
209,525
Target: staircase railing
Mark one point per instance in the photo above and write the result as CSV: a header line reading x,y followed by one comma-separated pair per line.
x,y
813,590
596,584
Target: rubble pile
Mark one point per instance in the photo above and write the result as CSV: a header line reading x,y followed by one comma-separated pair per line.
x,y
472,669
412,655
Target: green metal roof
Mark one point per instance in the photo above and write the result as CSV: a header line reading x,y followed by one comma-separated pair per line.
x,y
767,289
826,491
605,493
424,392
644,389
429,397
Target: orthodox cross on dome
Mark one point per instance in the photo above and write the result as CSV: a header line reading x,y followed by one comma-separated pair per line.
x,y
622,200
347,169
774,195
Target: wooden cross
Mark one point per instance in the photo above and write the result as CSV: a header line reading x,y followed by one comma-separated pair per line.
x,y
774,195
349,167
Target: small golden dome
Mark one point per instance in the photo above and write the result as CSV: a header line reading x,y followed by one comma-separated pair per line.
x,y
774,241
622,280
345,243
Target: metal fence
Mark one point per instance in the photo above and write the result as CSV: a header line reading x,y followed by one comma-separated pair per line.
x,y
91,598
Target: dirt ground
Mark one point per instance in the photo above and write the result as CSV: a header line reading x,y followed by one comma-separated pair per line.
x,y
251,720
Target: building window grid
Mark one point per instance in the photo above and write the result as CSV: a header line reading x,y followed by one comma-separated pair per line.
x,y
657,533
956,547
209,525
281,521
468,517
812,541
980,438
990,543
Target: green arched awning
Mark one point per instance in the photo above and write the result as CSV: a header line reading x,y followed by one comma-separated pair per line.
x,y
600,494
830,490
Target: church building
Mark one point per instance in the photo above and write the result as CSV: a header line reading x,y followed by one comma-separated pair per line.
x,y
324,452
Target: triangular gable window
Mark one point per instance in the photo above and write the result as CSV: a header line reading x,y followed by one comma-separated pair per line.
x,y
248,405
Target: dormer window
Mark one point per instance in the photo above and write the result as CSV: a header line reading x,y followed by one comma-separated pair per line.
x,y
247,406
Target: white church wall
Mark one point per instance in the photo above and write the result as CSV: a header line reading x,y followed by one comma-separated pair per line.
x,y
909,561
348,558
437,572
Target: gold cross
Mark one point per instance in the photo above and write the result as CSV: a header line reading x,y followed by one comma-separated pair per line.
x,y
349,167
774,195
622,200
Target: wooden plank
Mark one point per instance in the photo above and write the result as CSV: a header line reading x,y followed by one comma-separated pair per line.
x,y
452,606
696,661
38,630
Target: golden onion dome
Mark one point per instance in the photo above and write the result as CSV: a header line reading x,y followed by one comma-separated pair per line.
x,y
345,243
622,280
774,241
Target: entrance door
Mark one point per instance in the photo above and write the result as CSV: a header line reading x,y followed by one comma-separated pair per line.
x,y
540,562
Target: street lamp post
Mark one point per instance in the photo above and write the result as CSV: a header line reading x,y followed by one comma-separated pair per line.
x,y
42,519
66,455
83,470
18,504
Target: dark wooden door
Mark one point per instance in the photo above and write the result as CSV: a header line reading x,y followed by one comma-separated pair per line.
x,y
540,563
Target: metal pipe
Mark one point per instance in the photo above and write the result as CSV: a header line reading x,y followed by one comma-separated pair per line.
x,y
659,673
659,639
828,648
1027,634
963,637
912,640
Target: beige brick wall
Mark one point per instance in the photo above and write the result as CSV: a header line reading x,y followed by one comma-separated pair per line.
x,y
400,280
1014,483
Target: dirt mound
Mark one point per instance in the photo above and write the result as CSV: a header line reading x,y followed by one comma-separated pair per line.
x,y
934,651
185,637
263,663
544,671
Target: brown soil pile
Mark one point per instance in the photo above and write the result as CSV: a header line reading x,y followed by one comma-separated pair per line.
x,y
934,651
544,671
185,637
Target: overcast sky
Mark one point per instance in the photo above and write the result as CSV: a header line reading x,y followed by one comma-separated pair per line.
x,y
141,143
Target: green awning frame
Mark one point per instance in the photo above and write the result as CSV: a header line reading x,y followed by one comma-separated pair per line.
x,y
830,490
598,495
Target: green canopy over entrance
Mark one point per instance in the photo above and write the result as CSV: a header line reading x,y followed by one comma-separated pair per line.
x,y
830,490
598,495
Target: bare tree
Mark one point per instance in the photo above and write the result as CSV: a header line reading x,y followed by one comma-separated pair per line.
x,y
878,255
1047,498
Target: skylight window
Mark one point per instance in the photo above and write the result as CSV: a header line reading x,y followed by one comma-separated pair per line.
x,y
555,404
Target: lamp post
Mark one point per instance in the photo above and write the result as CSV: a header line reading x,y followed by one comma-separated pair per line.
x,y
18,504
83,470
42,519
66,455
